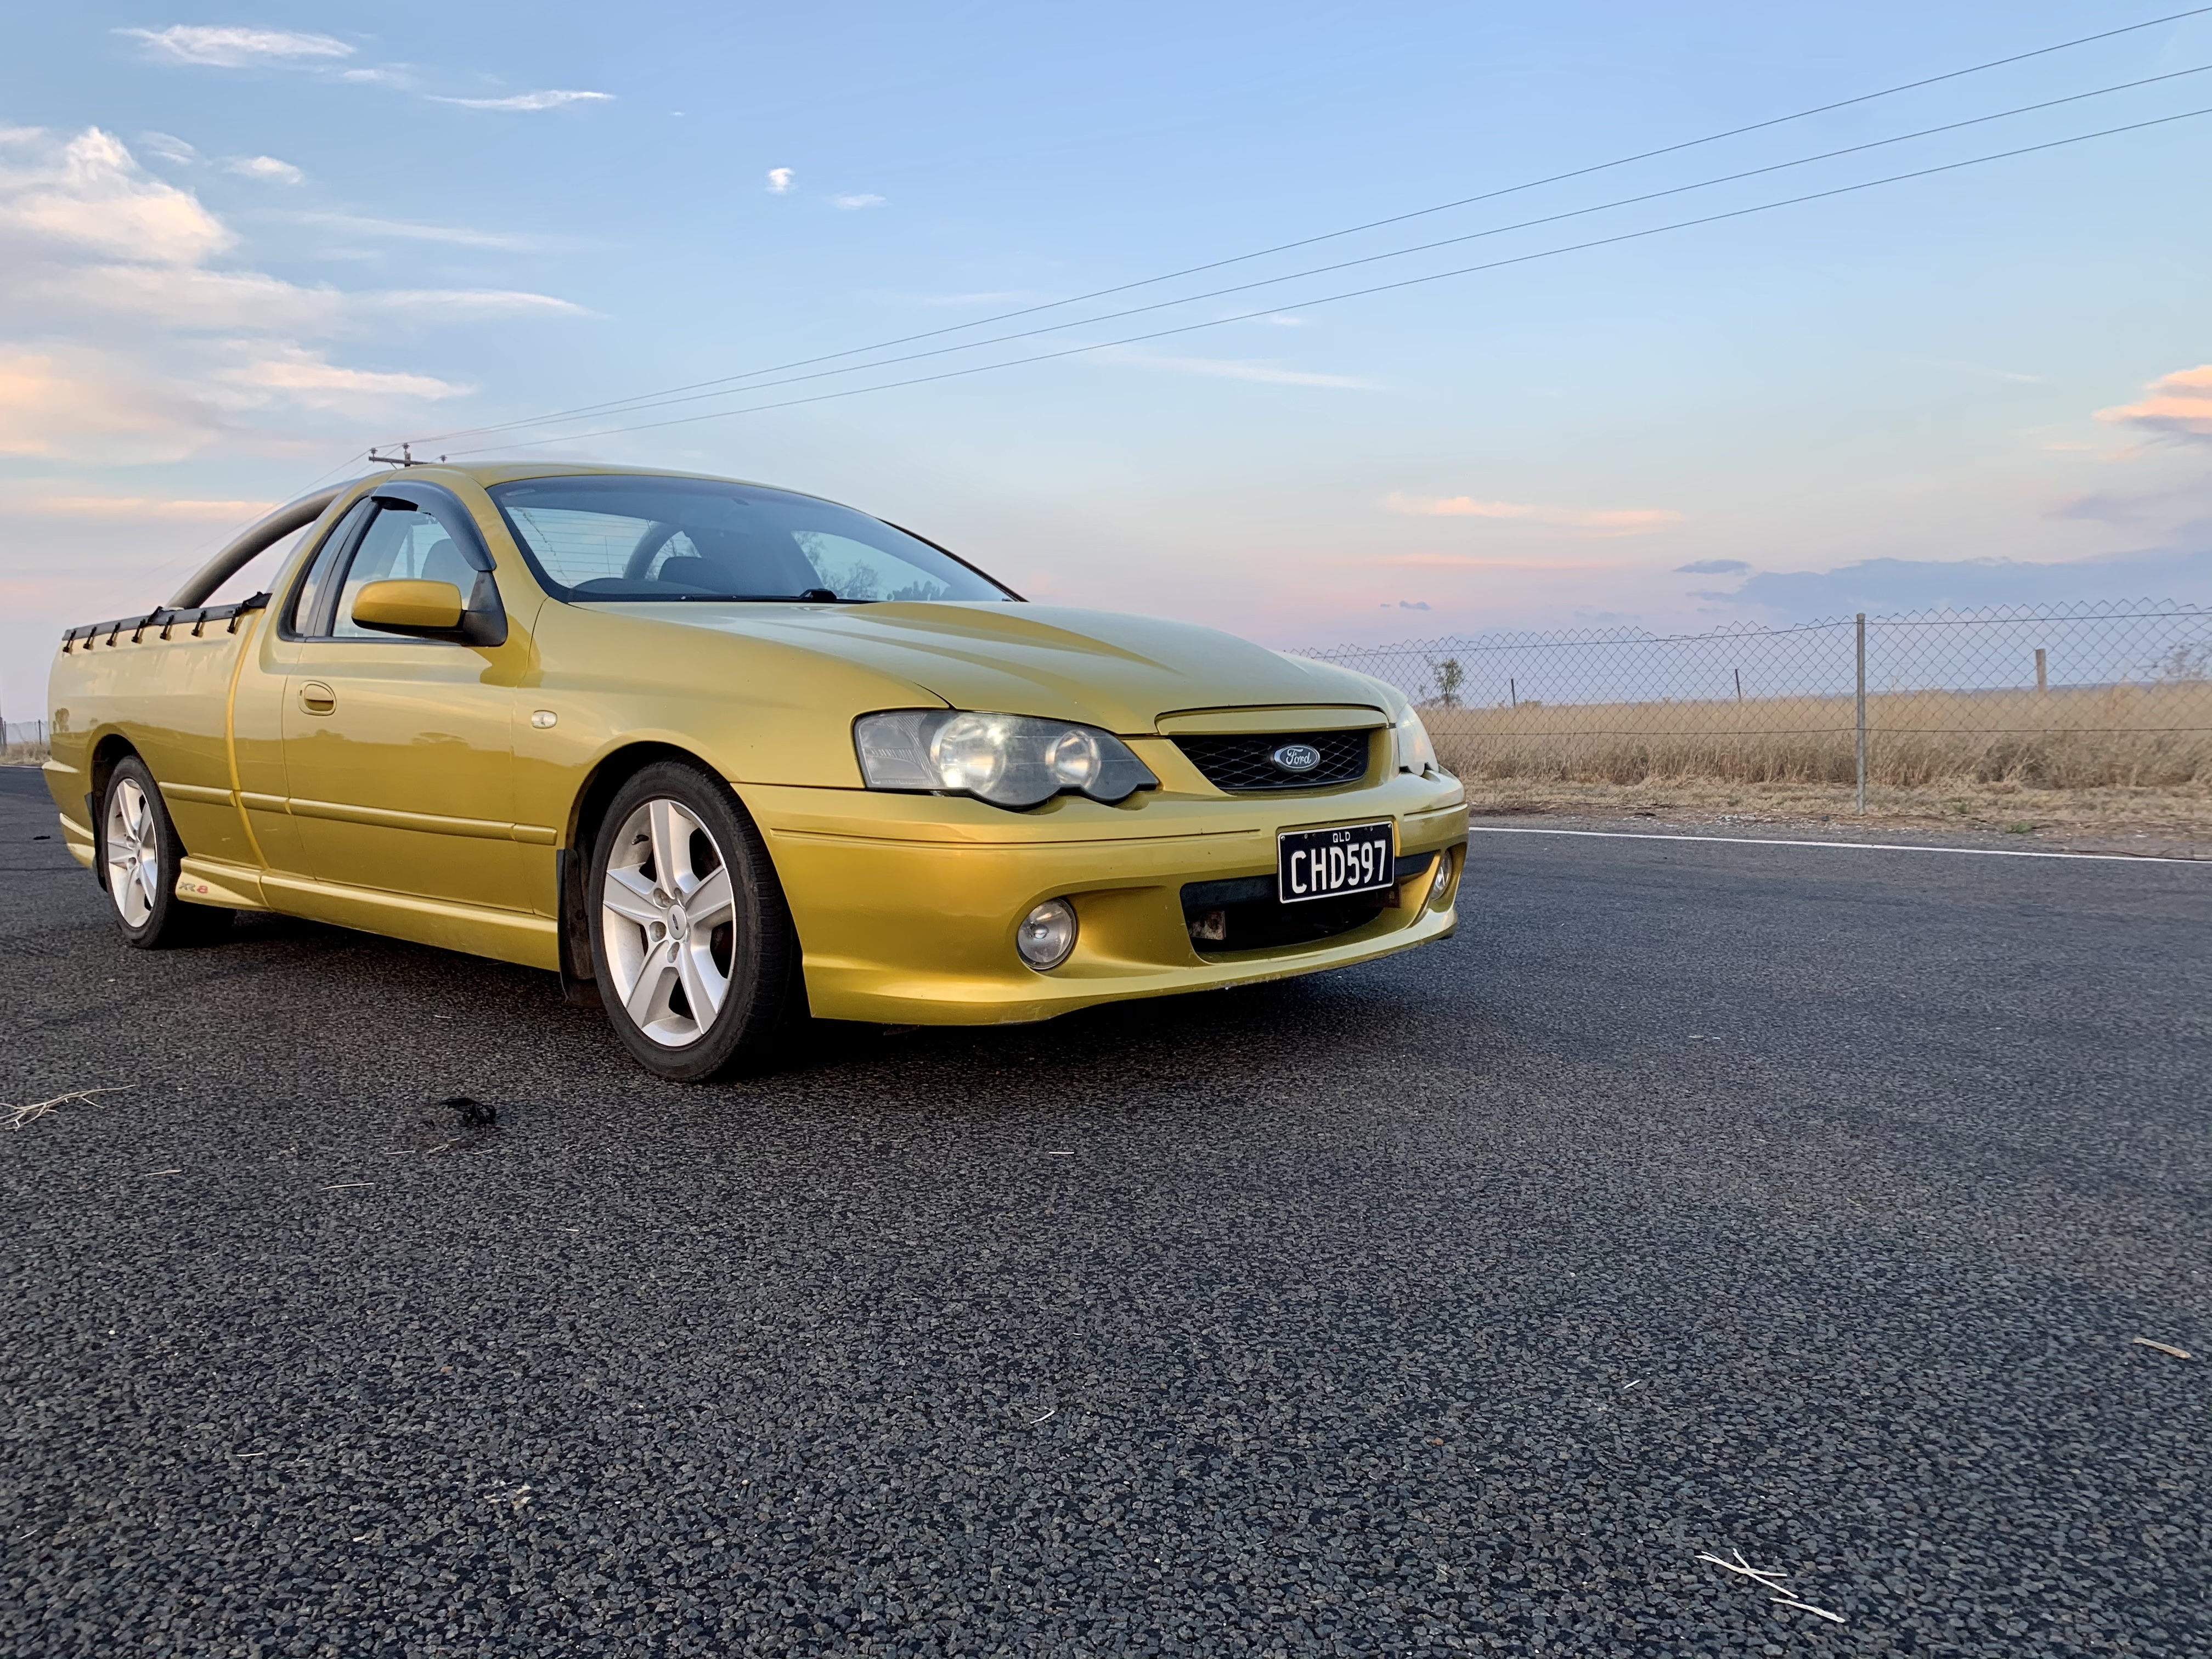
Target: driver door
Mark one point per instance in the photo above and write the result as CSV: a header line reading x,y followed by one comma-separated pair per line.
x,y
398,753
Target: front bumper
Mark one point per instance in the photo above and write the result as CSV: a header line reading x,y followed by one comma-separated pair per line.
x,y
905,905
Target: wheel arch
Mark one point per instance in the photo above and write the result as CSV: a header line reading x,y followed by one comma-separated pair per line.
x,y
109,751
573,875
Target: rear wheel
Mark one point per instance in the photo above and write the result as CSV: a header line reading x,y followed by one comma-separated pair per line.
x,y
691,942
140,859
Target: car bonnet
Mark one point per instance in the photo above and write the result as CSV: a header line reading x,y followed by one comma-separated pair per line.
x,y
1105,668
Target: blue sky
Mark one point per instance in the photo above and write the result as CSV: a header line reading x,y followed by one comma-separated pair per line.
x,y
238,246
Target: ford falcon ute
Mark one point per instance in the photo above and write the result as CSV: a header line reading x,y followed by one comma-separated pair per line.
x,y
726,757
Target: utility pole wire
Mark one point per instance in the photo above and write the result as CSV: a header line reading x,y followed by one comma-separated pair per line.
x,y
1356,294
670,401
617,405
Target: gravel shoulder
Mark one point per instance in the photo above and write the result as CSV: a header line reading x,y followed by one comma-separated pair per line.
x,y
1875,831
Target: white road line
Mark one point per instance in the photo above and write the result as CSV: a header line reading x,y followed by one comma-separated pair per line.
x,y
1861,846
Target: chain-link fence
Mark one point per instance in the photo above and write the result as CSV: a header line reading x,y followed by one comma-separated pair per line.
x,y
2072,697
2075,696
23,741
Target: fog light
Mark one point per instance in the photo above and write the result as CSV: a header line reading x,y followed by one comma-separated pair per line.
x,y
1046,934
1440,885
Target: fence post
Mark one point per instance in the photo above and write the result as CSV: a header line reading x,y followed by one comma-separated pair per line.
x,y
2042,677
1861,711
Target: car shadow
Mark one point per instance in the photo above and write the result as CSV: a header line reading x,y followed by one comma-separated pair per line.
x,y
476,1018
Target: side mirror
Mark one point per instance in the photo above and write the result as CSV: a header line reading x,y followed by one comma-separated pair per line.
x,y
409,607
433,611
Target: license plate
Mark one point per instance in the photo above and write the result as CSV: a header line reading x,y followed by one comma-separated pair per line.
x,y
1313,864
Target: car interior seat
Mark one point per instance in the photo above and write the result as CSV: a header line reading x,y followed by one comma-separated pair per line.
x,y
442,562
765,561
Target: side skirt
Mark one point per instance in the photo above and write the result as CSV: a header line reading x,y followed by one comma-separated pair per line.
x,y
504,935
212,881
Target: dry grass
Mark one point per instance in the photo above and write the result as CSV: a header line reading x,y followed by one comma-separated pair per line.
x,y
2106,763
2130,737
23,754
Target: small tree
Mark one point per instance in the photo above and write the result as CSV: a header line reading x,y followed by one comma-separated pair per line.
x,y
1449,677
2184,662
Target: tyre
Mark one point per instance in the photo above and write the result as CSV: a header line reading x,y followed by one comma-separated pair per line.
x,y
692,943
140,858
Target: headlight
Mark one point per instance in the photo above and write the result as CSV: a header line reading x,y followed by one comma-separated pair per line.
x,y
1009,759
1410,738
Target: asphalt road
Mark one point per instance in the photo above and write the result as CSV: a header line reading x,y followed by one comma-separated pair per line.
x,y
1698,1198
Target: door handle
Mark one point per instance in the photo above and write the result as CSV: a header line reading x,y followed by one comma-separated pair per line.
x,y
317,698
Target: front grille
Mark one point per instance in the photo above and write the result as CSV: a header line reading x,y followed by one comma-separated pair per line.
x,y
1263,925
1243,913
1241,764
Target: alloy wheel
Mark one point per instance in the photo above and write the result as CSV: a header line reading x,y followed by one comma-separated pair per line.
x,y
134,852
669,920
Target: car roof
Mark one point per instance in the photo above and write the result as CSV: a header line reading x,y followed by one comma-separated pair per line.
x,y
486,473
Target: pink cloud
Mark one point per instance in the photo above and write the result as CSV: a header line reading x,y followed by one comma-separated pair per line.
x,y
1596,522
1467,562
2179,403
86,405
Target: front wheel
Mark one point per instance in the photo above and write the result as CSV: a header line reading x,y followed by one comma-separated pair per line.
x,y
691,941
140,859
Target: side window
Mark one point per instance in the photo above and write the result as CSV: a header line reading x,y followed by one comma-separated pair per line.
x,y
302,616
400,543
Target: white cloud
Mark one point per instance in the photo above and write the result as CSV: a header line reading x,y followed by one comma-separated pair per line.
x,y
266,167
529,101
90,193
237,48
252,302
179,298
453,304
863,200
386,76
107,240
168,147
411,230
779,181
135,343
1237,369
1594,521
1282,320
306,378
138,506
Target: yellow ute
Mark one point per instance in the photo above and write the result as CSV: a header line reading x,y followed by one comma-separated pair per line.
x,y
725,756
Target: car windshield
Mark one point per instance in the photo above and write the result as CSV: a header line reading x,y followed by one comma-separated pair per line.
x,y
617,537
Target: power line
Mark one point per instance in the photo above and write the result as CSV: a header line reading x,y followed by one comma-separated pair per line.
x,y
639,405
199,549
1356,294
618,404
